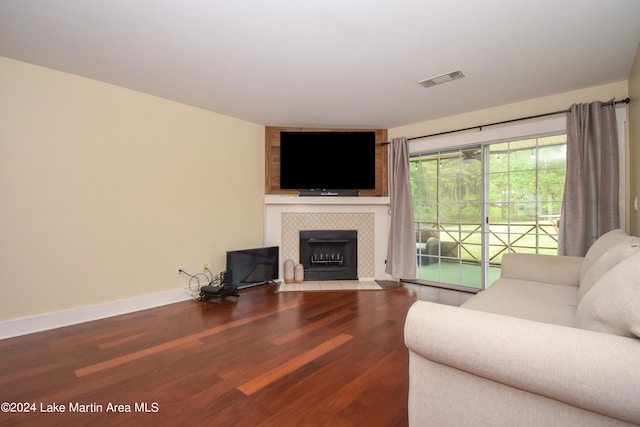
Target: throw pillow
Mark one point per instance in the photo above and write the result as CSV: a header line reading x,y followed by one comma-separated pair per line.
x,y
600,246
613,304
612,257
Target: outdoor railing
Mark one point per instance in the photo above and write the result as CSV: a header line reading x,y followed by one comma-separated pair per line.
x,y
524,237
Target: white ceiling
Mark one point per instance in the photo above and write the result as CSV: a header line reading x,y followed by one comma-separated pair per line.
x,y
330,63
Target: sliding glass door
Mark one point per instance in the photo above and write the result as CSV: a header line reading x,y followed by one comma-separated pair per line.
x,y
474,204
447,192
525,181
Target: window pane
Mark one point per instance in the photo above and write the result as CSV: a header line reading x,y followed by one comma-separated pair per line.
x,y
450,197
519,188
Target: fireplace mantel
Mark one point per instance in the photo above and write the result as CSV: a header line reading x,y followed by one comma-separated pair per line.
x,y
325,200
369,214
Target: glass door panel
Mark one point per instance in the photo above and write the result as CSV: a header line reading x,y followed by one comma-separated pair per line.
x,y
525,182
472,205
447,191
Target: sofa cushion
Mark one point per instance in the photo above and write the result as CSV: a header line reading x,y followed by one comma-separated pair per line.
x,y
613,304
539,301
601,246
612,257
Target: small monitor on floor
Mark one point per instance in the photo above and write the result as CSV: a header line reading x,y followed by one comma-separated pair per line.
x,y
251,267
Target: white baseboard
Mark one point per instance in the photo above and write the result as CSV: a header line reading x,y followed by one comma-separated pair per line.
x,y
28,325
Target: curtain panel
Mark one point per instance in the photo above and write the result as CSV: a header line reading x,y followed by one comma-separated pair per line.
x,y
590,202
401,253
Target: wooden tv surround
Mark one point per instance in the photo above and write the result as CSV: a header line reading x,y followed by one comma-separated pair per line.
x,y
272,158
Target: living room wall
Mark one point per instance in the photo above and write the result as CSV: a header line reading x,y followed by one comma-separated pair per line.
x,y
105,191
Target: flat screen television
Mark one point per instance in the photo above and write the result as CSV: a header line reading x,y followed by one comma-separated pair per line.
x,y
251,267
328,160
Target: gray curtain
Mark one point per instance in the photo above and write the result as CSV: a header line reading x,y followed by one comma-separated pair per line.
x,y
590,202
401,253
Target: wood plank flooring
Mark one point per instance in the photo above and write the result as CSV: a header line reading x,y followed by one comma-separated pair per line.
x,y
263,359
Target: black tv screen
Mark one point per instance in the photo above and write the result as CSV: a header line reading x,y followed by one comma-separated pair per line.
x,y
327,160
249,267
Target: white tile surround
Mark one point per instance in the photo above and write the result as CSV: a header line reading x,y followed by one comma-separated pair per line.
x,y
285,216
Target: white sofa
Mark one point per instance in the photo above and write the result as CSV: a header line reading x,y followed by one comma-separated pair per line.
x,y
554,342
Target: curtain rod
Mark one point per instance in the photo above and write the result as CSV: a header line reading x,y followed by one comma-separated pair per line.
x,y
624,101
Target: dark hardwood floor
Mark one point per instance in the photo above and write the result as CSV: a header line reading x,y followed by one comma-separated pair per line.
x,y
263,359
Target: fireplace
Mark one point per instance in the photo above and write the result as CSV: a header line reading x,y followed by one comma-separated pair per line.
x,y
286,216
329,254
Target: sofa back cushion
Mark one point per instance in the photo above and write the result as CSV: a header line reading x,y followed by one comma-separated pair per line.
x,y
597,251
600,246
617,253
613,303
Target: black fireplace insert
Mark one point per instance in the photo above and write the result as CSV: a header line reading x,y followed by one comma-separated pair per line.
x,y
329,254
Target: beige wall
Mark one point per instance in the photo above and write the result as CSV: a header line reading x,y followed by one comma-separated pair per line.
x,y
105,191
634,131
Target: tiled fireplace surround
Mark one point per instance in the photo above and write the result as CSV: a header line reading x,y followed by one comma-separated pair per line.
x,y
285,216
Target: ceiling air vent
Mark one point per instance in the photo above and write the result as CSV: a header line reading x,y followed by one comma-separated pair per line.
x,y
454,75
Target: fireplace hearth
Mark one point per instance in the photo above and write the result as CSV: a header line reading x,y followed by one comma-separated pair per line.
x,y
329,254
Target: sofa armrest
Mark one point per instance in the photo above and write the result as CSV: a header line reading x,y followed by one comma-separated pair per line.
x,y
590,370
560,270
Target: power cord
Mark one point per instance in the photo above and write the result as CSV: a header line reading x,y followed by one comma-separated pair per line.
x,y
215,280
194,285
